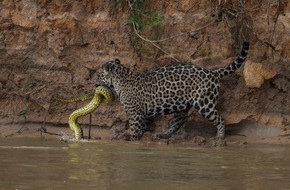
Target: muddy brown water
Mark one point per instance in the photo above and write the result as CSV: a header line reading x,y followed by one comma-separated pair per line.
x,y
31,163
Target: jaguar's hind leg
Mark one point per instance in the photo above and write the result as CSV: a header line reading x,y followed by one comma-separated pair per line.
x,y
212,115
179,119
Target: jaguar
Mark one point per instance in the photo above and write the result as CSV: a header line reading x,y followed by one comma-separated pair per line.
x,y
172,89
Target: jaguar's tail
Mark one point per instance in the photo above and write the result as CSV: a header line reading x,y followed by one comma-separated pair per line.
x,y
221,72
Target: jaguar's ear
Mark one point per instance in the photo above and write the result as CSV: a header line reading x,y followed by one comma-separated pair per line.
x,y
117,61
106,68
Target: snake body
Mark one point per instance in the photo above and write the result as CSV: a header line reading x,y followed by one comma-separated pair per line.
x,y
102,94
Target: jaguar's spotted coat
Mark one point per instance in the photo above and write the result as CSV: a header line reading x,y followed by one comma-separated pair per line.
x,y
169,89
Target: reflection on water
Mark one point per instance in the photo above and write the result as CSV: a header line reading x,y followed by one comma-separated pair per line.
x,y
38,164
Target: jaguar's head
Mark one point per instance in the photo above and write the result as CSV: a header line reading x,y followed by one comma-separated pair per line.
x,y
116,76
107,73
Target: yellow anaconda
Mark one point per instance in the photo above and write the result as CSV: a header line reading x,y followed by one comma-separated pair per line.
x,y
102,94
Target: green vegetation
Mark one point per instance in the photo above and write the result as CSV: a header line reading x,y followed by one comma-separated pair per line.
x,y
143,14
145,20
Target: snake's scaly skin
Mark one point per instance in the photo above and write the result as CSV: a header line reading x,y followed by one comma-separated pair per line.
x,y
102,94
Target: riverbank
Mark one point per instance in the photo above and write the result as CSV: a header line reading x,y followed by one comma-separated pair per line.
x,y
55,49
236,135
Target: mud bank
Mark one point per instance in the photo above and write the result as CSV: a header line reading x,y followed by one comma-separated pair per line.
x,y
242,134
54,48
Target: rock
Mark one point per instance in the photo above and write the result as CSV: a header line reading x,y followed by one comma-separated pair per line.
x,y
25,14
255,74
285,133
199,140
282,84
78,11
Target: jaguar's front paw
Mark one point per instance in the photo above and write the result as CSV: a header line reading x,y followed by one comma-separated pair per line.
x,y
117,131
159,136
155,137
122,136
125,136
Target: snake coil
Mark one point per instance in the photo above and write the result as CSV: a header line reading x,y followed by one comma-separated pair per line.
x,y
102,94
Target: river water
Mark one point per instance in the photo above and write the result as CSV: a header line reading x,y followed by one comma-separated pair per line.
x,y
29,163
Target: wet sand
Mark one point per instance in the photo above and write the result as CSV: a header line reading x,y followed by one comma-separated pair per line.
x,y
62,132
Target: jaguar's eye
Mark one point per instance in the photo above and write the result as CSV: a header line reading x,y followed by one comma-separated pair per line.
x,y
106,67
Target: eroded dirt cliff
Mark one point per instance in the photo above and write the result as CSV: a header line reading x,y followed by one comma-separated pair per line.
x,y
54,48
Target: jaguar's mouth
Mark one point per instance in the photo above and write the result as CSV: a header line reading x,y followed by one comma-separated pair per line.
x,y
103,83
100,83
